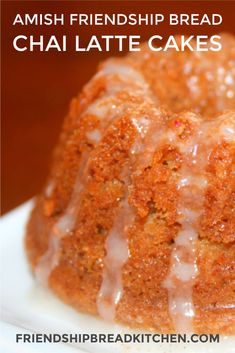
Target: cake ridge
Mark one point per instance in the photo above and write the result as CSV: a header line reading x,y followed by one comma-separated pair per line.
x,y
125,215
66,223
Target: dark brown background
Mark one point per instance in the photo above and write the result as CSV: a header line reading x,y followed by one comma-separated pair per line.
x,y
37,87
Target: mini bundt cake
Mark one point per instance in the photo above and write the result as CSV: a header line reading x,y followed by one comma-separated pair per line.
x,y
137,220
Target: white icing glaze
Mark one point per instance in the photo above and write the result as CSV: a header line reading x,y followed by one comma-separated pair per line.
x,y
62,227
228,133
108,104
94,135
183,271
141,125
49,189
192,182
190,179
117,254
126,72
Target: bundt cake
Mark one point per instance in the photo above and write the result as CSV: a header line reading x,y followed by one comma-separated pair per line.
x,y
137,220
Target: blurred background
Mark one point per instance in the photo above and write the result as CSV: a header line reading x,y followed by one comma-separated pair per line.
x,y
38,86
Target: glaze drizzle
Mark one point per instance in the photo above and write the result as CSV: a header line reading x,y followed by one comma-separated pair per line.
x,y
192,182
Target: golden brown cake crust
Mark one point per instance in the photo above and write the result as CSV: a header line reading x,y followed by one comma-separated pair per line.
x,y
152,190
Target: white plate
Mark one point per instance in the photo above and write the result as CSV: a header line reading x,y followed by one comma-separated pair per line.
x,y
27,307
